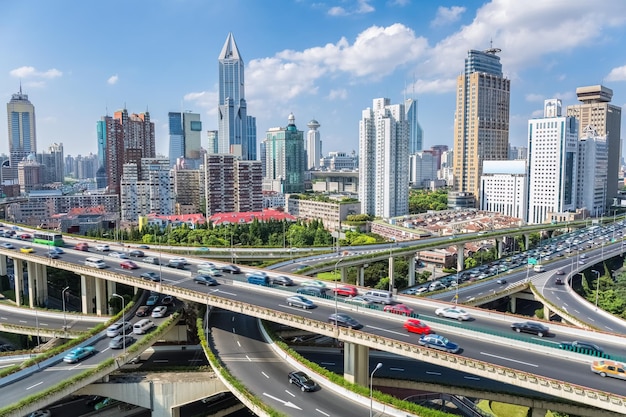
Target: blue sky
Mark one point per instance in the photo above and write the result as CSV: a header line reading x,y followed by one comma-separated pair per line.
x,y
323,60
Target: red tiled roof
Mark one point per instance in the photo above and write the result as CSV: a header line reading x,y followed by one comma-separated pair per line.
x,y
248,217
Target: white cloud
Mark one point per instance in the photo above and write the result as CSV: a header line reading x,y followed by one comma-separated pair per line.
x,y
361,7
340,94
437,86
400,3
113,79
532,97
337,11
34,84
537,113
30,72
447,15
206,100
617,74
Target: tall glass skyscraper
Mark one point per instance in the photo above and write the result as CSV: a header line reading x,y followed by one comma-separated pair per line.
x,y
185,136
233,133
22,137
416,133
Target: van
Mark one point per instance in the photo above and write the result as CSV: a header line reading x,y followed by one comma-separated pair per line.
x,y
95,263
436,285
143,326
258,280
539,268
379,296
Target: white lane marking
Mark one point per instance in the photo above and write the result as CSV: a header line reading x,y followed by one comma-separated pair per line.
x,y
591,319
234,330
285,403
327,363
433,373
226,292
248,357
265,375
232,318
474,378
388,331
396,369
238,344
3,318
609,328
509,359
290,393
23,321
321,412
302,310
577,312
33,386
558,298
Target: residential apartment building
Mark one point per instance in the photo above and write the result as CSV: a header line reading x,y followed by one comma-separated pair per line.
x,y
504,188
481,121
145,189
188,190
331,213
384,160
248,191
422,169
219,180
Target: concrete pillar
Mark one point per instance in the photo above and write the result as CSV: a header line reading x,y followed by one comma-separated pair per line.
x,y
343,274
112,288
87,293
3,265
356,363
18,271
411,262
526,241
499,243
538,412
513,303
460,257
32,270
101,297
546,312
361,271
391,282
42,284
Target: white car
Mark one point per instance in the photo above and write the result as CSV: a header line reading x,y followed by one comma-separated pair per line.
x,y
119,255
159,311
314,283
179,259
205,265
103,248
119,328
453,313
7,246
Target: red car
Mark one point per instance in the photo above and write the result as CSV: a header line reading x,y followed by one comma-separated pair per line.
x,y
129,265
82,246
416,326
399,309
346,291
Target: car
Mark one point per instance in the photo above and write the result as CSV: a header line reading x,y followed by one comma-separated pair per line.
x,y
435,341
121,341
152,300
559,272
282,280
57,250
143,311
103,248
559,281
531,327
120,255
214,272
179,259
7,245
93,400
53,255
27,249
152,276
416,326
7,348
25,236
143,247
581,262
82,246
203,265
119,328
611,369
314,283
204,279
344,320
453,313
151,260
359,299
300,301
302,380
346,291
159,311
79,353
176,264
129,265
107,402
136,253
401,309
231,269
582,346
40,413
501,281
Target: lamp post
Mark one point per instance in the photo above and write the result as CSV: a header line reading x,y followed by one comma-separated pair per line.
x,y
63,301
597,285
123,322
378,366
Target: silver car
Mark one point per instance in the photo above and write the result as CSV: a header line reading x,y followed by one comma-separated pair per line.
x,y
300,301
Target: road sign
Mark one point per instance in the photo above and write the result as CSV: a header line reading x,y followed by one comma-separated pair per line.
x,y
532,261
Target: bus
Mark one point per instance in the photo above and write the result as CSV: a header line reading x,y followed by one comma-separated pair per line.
x,y
45,238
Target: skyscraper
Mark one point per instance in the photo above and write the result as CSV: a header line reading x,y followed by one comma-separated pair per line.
x,y
284,158
185,137
481,121
596,111
233,134
22,137
313,146
416,133
384,160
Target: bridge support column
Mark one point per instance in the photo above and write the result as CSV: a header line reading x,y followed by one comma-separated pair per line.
x,y
526,241
42,284
101,297
343,274
355,363
112,288
18,272
391,281
3,265
33,280
546,312
538,412
87,293
361,275
513,303
499,243
411,262
460,257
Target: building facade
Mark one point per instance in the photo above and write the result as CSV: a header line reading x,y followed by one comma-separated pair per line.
x,y
592,175
188,187
384,160
185,129
331,213
416,133
284,158
219,180
339,161
422,168
313,146
146,188
22,135
248,186
504,188
481,121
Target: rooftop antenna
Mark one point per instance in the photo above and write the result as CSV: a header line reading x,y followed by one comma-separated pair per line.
x,y
20,87
491,49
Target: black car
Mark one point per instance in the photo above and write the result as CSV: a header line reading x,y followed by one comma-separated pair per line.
x,y
581,346
176,264
531,327
231,269
136,253
302,380
152,276
282,280
344,320
205,279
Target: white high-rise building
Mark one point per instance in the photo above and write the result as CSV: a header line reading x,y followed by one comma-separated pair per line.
x,y
384,160
422,167
147,189
313,146
503,188
552,163
593,160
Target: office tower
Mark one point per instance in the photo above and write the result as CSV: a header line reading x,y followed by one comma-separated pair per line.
x,y
234,137
313,146
212,142
30,174
437,151
22,136
251,127
384,160
185,131
422,168
146,188
284,158
592,175
504,188
481,121
596,111
416,133
53,163
518,152
219,179
552,163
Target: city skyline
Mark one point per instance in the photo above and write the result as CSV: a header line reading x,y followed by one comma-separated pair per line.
x,y
397,49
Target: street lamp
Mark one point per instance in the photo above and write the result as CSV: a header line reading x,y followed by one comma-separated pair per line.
x,y
597,285
63,301
123,322
378,366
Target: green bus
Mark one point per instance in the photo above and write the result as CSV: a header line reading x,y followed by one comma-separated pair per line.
x,y
45,238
